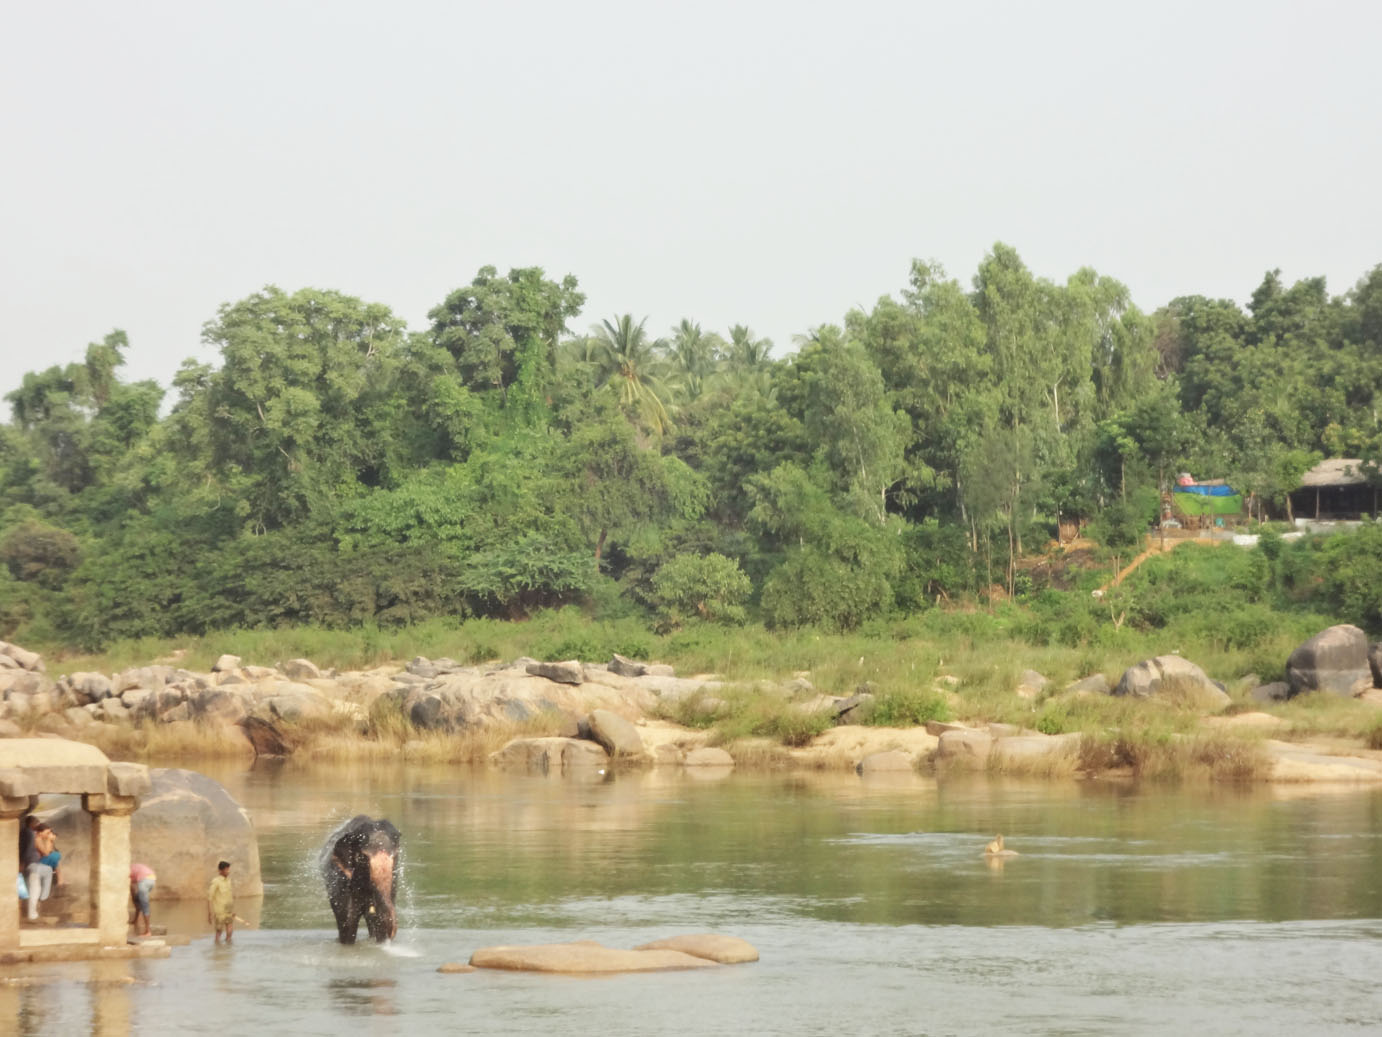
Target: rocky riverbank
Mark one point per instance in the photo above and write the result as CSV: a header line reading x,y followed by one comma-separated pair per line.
x,y
570,715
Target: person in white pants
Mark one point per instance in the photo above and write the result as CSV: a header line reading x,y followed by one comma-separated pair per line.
x,y
40,879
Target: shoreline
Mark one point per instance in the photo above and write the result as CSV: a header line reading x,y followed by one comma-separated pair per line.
x,y
555,716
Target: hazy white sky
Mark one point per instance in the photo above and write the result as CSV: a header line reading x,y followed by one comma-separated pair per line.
x,y
766,163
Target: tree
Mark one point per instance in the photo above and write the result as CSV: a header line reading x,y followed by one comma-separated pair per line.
x,y
301,409
630,364
695,358
845,411
503,331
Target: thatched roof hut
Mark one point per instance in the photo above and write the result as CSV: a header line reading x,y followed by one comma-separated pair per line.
x,y
1336,488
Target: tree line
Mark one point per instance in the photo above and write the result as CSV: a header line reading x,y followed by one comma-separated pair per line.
x,y
338,468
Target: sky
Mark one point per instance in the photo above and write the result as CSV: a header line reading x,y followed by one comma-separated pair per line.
x,y
771,164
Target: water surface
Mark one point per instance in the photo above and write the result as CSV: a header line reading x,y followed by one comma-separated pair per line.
x,y
1129,910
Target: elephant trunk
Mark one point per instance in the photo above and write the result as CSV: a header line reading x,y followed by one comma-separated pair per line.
x,y
381,876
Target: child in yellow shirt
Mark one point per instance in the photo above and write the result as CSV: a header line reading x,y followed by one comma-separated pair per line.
x,y
220,903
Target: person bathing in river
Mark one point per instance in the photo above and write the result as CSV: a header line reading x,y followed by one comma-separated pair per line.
x,y
220,903
46,842
142,880
38,876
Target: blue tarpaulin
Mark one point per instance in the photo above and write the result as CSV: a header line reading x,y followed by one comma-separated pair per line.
x,y
1208,491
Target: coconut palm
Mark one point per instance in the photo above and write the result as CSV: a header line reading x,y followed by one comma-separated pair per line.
x,y
694,357
627,361
745,351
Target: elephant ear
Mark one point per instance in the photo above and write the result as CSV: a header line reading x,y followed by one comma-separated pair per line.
x,y
352,841
394,835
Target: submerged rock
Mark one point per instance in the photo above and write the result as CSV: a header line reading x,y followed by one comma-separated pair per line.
x,y
727,950
585,957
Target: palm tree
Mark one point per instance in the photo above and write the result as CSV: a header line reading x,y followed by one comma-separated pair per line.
x,y
694,357
629,363
745,351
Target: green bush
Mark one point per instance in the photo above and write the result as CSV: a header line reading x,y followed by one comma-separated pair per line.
x,y
709,587
912,708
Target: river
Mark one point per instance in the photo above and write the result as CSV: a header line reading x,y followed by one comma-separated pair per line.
x,y
1129,910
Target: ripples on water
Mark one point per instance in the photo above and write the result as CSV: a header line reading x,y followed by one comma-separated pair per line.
x,y
874,912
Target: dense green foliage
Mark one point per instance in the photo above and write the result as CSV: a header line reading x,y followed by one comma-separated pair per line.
x,y
338,470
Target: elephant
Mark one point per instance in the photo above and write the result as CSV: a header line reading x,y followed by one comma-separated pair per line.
x,y
359,865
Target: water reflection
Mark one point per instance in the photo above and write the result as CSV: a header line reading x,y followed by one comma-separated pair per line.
x,y
363,995
1174,906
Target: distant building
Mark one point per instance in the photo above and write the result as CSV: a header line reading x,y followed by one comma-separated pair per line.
x,y
1336,488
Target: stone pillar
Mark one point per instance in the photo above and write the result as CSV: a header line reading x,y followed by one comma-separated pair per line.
x,y
109,867
16,799
9,902
110,875
110,848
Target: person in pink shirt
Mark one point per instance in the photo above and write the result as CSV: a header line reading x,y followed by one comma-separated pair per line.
x,y
142,880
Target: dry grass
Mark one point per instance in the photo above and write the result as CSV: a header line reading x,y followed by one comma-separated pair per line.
x,y
1061,763
760,754
1156,754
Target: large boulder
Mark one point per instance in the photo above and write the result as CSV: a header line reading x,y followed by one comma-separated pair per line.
x,y
1031,684
300,669
890,761
568,672
618,737
1276,691
717,947
185,824
1334,660
24,658
584,957
626,667
1094,684
143,677
964,745
1170,676
86,687
545,755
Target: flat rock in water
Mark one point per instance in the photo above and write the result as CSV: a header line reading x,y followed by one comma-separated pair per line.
x,y
726,950
584,957
455,967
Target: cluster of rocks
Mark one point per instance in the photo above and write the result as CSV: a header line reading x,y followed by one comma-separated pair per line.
x,y
77,702
1338,661
590,704
589,707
